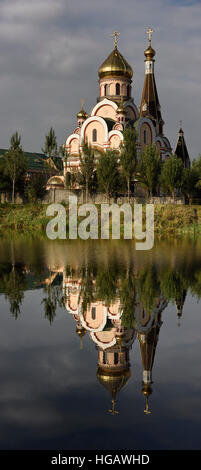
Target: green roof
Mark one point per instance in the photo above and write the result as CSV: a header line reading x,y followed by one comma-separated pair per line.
x,y
37,161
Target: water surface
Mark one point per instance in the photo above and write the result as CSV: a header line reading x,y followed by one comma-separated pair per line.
x,y
100,345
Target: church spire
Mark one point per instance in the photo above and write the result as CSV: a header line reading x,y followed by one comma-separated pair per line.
x,y
150,106
181,148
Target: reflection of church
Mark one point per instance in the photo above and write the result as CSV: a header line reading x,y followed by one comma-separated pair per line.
x,y
113,341
116,109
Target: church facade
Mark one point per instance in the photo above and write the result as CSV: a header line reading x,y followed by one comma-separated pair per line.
x,y
116,109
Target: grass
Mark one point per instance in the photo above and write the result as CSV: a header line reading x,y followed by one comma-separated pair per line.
x,y
171,219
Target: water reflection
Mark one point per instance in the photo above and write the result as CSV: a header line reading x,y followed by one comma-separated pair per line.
x,y
117,303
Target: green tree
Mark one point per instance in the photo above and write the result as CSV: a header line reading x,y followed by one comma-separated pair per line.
x,y
70,180
149,168
196,166
15,162
50,147
87,166
128,300
189,182
14,286
172,175
107,173
128,156
36,188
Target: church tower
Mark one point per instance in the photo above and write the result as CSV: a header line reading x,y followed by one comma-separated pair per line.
x,y
150,124
181,149
150,105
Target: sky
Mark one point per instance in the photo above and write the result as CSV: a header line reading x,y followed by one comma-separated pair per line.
x,y
50,52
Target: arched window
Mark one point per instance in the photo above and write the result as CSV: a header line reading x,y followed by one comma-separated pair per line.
x,y
116,358
117,89
104,357
145,136
93,313
128,91
94,135
106,90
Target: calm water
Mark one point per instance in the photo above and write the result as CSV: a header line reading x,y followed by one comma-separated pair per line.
x,y
100,345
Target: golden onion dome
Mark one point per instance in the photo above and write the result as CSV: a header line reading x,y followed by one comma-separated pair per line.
x,y
81,331
149,52
116,66
82,114
112,380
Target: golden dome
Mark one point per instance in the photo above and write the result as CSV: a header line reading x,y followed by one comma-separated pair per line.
x,y
82,114
115,65
149,52
112,380
80,331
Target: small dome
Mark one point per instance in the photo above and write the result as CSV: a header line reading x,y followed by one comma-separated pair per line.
x,y
82,114
149,53
115,65
56,180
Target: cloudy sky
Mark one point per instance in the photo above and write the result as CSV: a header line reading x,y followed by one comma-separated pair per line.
x,y
50,52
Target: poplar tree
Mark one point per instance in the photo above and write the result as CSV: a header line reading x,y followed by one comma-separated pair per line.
x,y
172,175
50,147
107,173
149,168
128,156
87,166
15,162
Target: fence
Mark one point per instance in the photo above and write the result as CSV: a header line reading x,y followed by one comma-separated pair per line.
x,y
62,196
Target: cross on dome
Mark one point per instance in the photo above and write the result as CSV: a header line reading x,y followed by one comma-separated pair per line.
x,y
115,36
149,32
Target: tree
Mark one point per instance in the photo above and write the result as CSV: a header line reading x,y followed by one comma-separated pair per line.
x,y
196,166
107,172
128,156
36,187
70,180
172,174
87,165
15,162
189,182
14,285
50,147
149,168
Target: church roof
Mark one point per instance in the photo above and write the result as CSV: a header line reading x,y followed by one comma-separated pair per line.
x,y
115,65
181,149
150,98
37,161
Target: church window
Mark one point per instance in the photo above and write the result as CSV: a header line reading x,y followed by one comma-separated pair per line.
x,y
107,90
116,357
93,313
128,91
94,135
117,89
104,357
145,137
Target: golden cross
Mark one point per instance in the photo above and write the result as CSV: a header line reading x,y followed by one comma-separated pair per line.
x,y
113,411
149,32
146,411
115,35
82,102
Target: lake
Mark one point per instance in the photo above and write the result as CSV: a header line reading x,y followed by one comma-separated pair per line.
x,y
100,345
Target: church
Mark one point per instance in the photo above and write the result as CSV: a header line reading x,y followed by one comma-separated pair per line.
x,y
116,109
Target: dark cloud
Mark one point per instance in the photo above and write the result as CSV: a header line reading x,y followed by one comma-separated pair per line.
x,y
50,53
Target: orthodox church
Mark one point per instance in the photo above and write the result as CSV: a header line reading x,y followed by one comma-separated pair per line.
x,y
115,110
